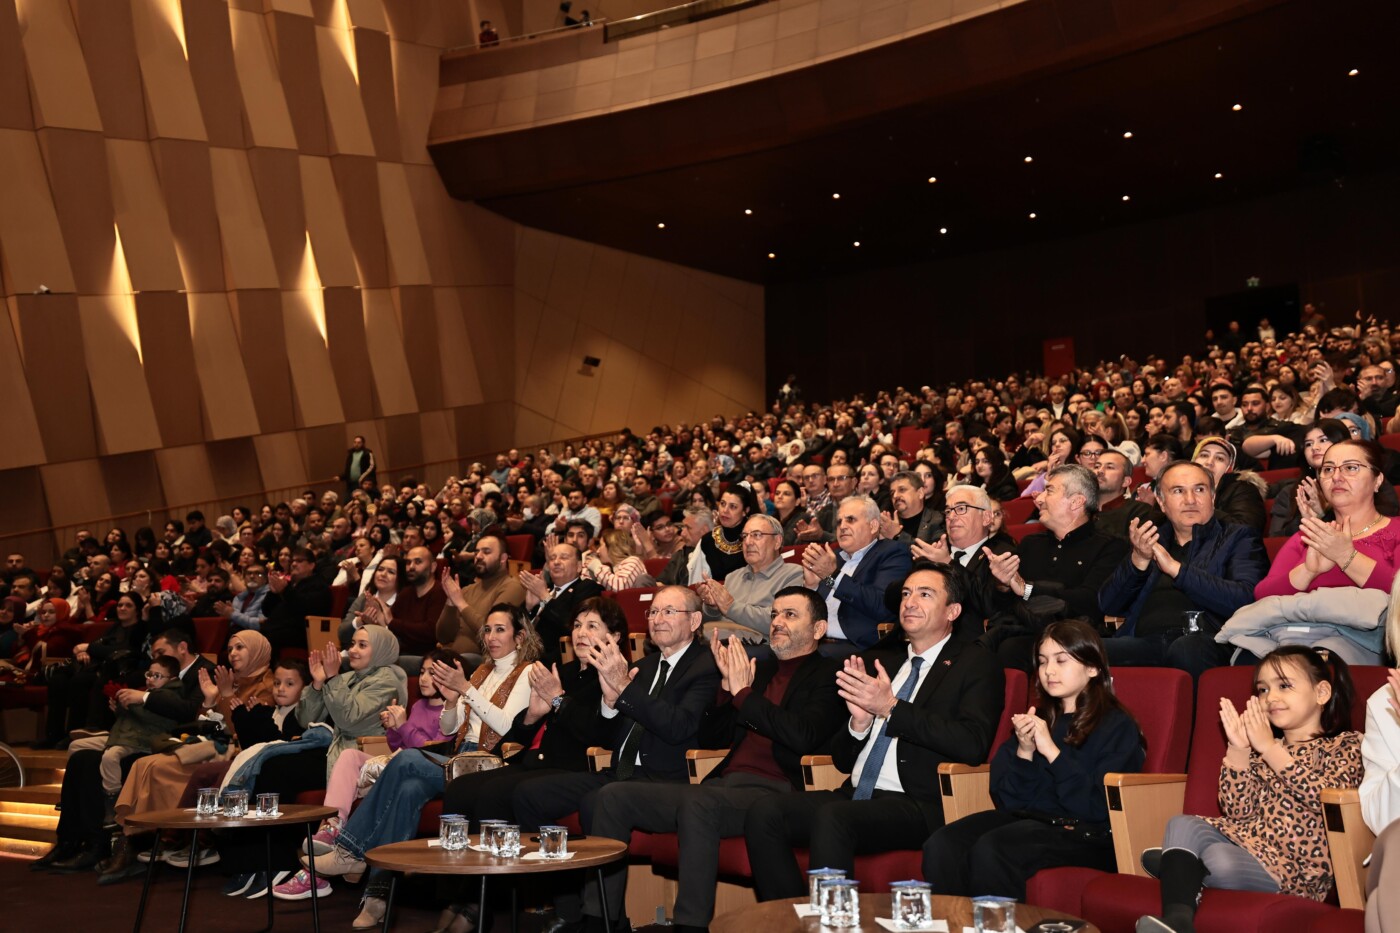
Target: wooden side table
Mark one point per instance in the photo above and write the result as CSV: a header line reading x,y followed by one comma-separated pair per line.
x,y
179,819
417,857
779,917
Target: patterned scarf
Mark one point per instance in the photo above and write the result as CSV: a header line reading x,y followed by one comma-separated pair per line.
x,y
487,739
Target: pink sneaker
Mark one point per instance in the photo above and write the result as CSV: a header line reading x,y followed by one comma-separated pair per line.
x,y
299,887
324,841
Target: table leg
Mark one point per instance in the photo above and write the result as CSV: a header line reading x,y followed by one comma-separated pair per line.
x,y
311,869
189,878
389,901
603,900
481,915
146,887
514,911
267,843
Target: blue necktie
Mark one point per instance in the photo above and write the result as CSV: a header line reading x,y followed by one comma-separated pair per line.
x,y
871,773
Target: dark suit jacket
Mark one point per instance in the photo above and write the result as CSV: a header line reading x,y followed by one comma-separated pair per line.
x,y
185,705
555,618
672,719
930,527
802,724
862,594
953,717
284,613
570,731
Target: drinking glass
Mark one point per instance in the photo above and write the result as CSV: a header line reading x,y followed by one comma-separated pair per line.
x,y
457,838
267,806
911,904
445,823
1193,620
994,914
207,804
235,804
554,841
814,879
507,840
840,905
488,837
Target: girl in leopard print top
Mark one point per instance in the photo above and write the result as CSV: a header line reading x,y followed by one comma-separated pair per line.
x,y
1290,742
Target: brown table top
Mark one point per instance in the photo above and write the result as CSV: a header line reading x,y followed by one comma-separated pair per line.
x,y
416,857
779,917
181,818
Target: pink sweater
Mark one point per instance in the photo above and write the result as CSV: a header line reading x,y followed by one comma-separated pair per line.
x,y
419,729
1380,547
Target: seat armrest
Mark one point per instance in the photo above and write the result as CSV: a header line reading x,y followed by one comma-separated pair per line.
x,y
1351,841
599,758
701,761
818,773
373,745
965,789
509,748
1139,806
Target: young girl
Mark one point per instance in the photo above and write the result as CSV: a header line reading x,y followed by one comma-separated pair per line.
x,y
356,770
1289,743
1047,778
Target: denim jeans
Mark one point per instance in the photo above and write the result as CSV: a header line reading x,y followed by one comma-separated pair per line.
x,y
391,810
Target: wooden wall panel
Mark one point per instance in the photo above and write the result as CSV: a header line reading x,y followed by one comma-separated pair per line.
x,y
461,382
15,112
31,241
345,110
280,460
403,441
325,222
138,203
54,355
407,258
133,484
234,467
25,508
187,476
318,401
209,36
418,318
224,385
357,181
82,195
75,492
323,449
109,48
294,38
276,177
488,313
23,445
187,178
416,81
349,351
170,96
388,364
265,104
377,91
258,315
247,250
126,419
58,76
169,364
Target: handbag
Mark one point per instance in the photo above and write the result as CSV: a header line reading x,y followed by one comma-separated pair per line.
x,y
470,763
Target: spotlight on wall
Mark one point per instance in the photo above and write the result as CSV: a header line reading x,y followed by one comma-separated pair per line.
x,y
590,363
43,290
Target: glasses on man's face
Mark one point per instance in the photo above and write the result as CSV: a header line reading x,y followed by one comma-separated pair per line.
x,y
757,536
962,508
1349,468
669,614
156,675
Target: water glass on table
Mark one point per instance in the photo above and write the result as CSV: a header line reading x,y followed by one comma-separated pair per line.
x,y
452,832
994,914
507,840
554,841
207,803
235,804
840,902
911,904
488,834
267,806
815,877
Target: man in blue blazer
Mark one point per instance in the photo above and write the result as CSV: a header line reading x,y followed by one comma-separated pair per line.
x,y
853,579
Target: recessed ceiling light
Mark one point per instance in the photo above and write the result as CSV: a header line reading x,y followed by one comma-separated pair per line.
x,y
1353,73
1126,198
1128,134
748,212
1237,108
1218,176
836,196
856,243
772,255
932,179
1031,215
942,229
661,226
1029,160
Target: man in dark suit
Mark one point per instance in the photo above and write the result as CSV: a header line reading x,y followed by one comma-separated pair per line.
x,y
968,522
771,712
290,599
187,704
942,703
656,714
552,607
853,580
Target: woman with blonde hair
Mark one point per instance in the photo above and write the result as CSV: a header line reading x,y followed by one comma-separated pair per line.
x,y
615,565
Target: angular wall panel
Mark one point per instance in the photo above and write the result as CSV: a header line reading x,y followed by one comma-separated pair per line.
x,y
223,380
244,233
187,178
418,317
303,322
461,384
170,96
109,48
388,364
265,104
357,181
126,419
133,486
349,349
23,444
325,222
31,241
167,351
349,128
186,475
408,261
376,69
82,195
294,42
58,77
209,36
15,112
277,180
139,207
258,316
51,337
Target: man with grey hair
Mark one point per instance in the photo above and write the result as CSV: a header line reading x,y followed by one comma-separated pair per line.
x,y
685,567
969,539
912,518
1055,573
742,603
853,578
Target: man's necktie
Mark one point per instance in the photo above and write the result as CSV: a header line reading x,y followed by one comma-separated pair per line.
x,y
957,557
876,760
627,756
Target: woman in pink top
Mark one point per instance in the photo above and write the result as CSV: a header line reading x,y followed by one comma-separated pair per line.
x,y
1358,547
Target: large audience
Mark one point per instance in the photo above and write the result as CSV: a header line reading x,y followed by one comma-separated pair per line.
x,y
852,578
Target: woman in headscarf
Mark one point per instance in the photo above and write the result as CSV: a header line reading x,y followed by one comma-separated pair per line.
x,y
74,701
50,635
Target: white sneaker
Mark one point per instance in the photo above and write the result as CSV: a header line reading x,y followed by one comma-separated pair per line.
x,y
181,859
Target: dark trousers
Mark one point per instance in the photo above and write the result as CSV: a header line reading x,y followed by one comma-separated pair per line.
x,y
996,852
1192,652
834,828
486,795
82,800
71,702
287,776
701,815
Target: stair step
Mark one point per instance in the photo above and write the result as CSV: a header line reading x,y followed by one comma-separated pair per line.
x,y
37,793
29,833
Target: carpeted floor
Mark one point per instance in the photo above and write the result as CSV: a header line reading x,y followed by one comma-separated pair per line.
x,y
39,902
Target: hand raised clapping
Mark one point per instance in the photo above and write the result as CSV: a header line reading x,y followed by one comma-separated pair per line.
x,y
1033,735
867,697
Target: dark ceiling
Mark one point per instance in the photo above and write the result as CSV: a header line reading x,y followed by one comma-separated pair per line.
x,y
1054,145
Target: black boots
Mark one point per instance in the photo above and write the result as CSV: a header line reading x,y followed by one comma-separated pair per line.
x,y
1183,875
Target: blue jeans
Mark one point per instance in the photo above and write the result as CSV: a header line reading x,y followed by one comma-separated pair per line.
x,y
391,810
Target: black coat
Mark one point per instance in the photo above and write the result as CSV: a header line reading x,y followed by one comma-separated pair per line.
x,y
555,617
569,731
671,720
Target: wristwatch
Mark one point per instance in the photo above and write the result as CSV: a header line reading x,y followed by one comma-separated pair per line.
x,y
557,702
1026,592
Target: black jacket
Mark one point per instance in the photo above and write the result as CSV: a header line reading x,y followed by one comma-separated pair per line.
x,y
284,613
671,720
569,731
1071,569
185,705
554,618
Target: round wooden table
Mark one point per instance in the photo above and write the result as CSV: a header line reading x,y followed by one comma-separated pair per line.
x,y
292,814
779,917
417,857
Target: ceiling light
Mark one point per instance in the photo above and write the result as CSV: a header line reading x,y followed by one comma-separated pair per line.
x,y
1237,108
1029,160
1353,73
836,196
1128,134
1126,198
932,179
1031,215
772,255
747,212
942,229
1218,176
661,226
856,243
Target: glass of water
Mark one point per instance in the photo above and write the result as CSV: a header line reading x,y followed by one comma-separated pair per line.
x,y
488,836
911,904
235,804
445,823
267,806
554,841
1193,620
814,879
507,840
994,914
207,803
840,905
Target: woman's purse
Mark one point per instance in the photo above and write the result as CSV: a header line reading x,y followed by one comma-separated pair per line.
x,y
470,763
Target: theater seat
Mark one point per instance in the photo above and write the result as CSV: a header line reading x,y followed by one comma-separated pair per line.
x,y
1273,546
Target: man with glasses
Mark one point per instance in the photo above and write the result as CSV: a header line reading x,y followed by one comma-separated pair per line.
x,y
651,713
1376,391
245,610
913,518
967,539
841,481
290,599
740,604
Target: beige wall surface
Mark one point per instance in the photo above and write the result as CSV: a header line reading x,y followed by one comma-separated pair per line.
x,y
224,251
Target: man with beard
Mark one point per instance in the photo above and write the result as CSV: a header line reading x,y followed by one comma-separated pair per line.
x,y
415,615
914,518
465,610
1263,436
290,599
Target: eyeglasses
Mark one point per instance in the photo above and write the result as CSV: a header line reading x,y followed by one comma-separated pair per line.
x,y
1088,455
157,675
670,615
757,535
1349,468
962,508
